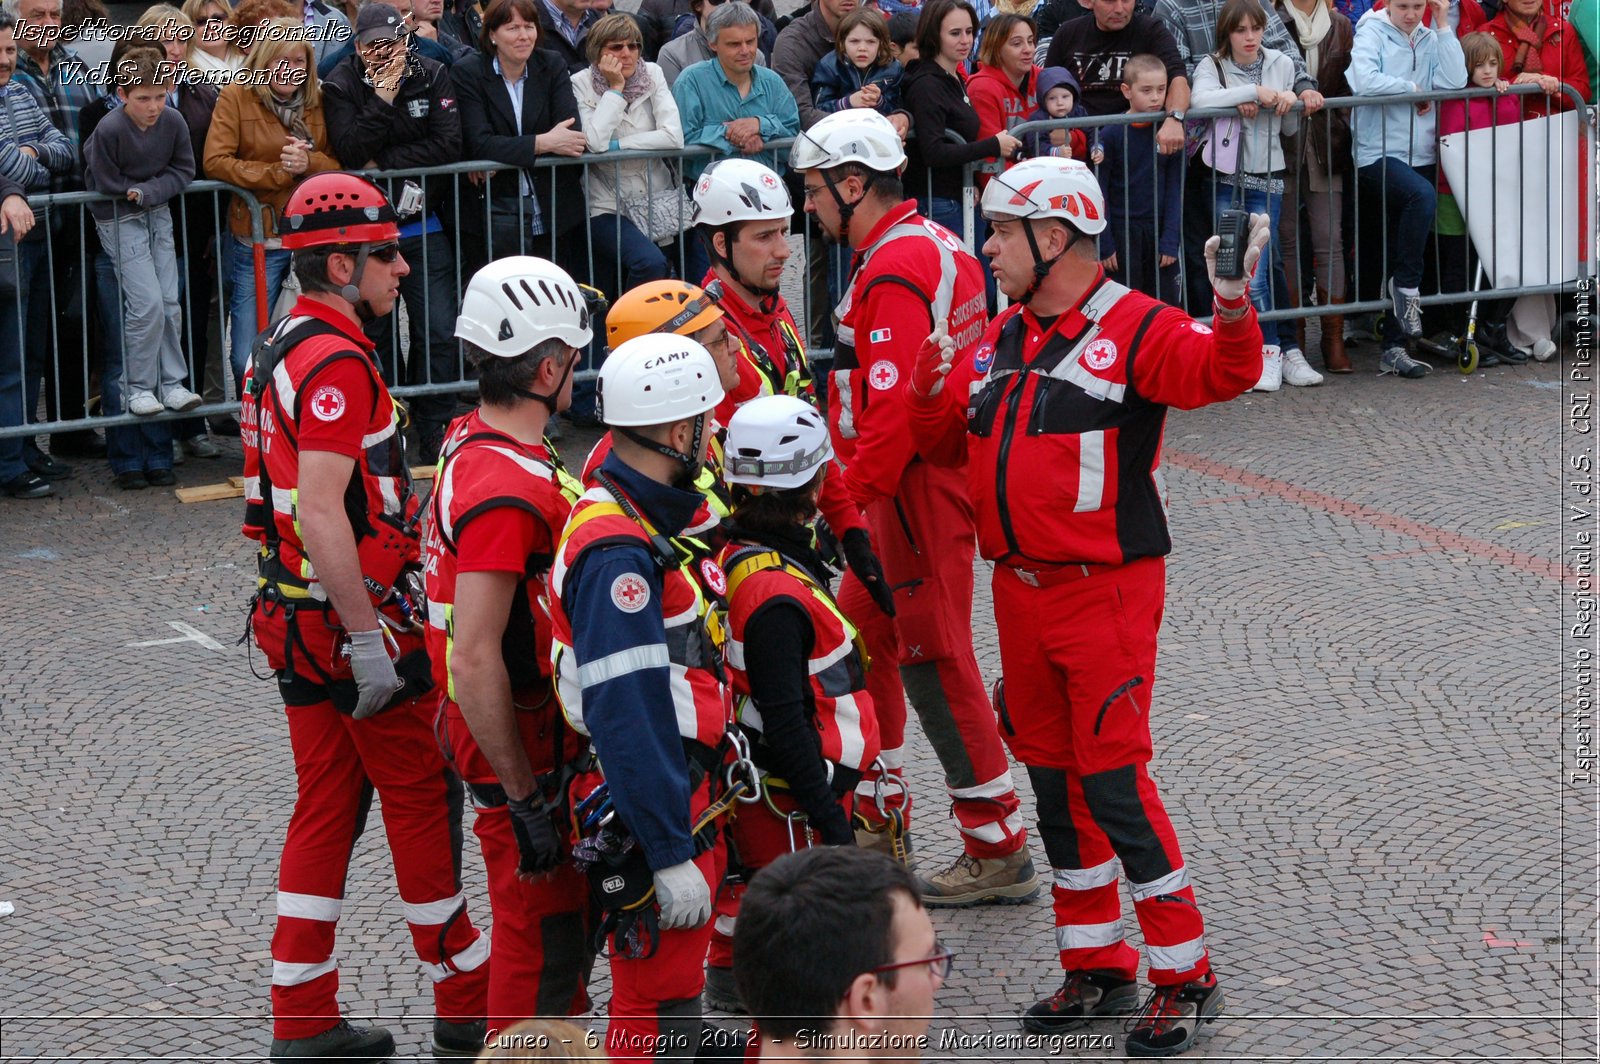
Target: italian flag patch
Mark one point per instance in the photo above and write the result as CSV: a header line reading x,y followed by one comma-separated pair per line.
x,y
879,336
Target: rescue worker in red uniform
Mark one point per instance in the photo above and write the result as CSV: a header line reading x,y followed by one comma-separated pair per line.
x,y
906,271
499,502
1059,417
329,500
638,655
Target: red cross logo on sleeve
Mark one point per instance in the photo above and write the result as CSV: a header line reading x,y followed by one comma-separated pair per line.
x,y
327,403
883,375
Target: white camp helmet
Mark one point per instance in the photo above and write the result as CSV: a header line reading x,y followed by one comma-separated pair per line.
x,y
515,303
657,379
1047,187
858,135
776,441
740,190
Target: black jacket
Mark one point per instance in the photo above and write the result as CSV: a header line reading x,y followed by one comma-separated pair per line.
x,y
421,128
489,130
946,129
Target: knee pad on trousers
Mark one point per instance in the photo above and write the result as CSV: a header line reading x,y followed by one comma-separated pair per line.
x,y
1060,838
925,692
1114,802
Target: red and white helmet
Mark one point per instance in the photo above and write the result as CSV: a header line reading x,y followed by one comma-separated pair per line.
x,y
1047,187
740,190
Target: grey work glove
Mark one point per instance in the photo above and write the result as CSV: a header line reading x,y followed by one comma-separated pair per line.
x,y
373,669
537,844
684,897
1236,289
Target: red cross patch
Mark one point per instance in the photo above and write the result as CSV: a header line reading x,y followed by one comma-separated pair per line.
x,y
327,403
629,593
769,181
883,375
716,580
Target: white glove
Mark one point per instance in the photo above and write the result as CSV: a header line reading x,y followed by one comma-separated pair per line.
x,y
1234,290
934,360
684,896
374,673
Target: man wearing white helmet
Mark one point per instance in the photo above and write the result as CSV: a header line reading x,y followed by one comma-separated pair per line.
x,y
1069,390
638,660
910,273
500,501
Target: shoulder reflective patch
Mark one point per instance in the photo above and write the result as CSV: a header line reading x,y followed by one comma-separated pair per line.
x,y
629,593
327,403
883,375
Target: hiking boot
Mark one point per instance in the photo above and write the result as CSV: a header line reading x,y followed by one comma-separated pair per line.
x,y
1407,310
721,993
1297,371
455,1040
1082,997
1398,360
978,880
344,1041
1271,369
882,843
1171,1018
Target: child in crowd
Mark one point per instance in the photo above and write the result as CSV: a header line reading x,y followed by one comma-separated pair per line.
x,y
141,153
903,37
861,71
1396,152
1535,315
1139,245
1259,81
1058,98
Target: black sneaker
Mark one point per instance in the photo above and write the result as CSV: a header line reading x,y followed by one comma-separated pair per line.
x,y
342,1042
27,485
1082,997
1494,338
43,466
456,1040
1407,310
132,480
1171,1018
161,478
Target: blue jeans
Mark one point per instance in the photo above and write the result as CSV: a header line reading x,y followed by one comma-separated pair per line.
x,y
947,212
146,446
1408,199
625,258
13,314
242,329
1269,278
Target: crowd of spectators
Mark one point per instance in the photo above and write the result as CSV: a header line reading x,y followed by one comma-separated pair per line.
x,y
269,91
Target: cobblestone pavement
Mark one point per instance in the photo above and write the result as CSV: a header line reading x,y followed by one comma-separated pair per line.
x,y
1359,735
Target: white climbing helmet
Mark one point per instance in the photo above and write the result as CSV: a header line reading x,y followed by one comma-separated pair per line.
x,y
739,190
515,303
858,135
657,379
776,441
1047,187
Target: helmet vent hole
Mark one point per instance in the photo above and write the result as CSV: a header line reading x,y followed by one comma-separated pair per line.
x,y
533,297
512,295
505,329
544,286
790,438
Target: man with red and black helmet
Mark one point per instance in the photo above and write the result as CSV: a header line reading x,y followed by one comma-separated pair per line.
x,y
1058,417
329,500
906,271
499,503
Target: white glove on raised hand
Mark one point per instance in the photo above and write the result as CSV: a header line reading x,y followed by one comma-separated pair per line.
x,y
934,360
684,896
1232,291
373,670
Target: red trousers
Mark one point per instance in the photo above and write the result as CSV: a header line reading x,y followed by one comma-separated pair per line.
x,y
335,756
542,928
1079,662
924,537
888,701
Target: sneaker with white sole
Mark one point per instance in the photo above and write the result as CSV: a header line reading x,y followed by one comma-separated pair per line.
x,y
1271,369
1544,350
201,447
1171,1018
1009,880
144,404
1398,360
1297,371
181,398
1083,996
1407,310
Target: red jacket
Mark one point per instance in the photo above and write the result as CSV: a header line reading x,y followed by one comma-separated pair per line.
x,y
1063,425
1560,55
999,103
907,272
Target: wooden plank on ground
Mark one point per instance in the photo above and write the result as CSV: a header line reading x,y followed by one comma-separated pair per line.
x,y
210,493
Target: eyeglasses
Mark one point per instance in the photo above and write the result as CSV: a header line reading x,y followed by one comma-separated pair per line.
x,y
939,965
623,46
720,343
812,191
385,253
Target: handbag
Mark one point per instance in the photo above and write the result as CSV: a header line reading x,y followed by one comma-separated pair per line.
x,y
1221,149
661,214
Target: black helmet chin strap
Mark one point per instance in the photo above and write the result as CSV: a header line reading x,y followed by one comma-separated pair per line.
x,y
554,397
846,210
690,461
351,293
763,293
1041,265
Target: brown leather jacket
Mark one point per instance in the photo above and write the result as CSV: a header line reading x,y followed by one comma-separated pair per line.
x,y
1327,134
243,147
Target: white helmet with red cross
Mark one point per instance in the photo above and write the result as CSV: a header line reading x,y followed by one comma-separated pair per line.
x,y
740,190
1047,187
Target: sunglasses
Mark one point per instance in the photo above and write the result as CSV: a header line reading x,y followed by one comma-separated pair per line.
x,y
385,253
623,46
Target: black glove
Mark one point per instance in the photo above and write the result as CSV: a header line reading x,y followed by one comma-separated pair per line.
x,y
858,555
536,836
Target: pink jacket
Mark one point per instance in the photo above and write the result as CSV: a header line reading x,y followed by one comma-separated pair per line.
x,y
1456,116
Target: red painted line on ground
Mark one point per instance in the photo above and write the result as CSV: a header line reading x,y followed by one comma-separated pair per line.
x,y
1367,515
1246,497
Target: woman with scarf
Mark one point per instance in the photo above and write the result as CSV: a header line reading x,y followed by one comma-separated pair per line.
x,y
266,135
624,103
1541,48
1319,168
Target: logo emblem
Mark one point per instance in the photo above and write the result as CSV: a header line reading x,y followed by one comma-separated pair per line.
x,y
984,359
705,185
879,336
1100,355
769,181
612,884
327,403
629,593
714,577
1203,330
883,375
